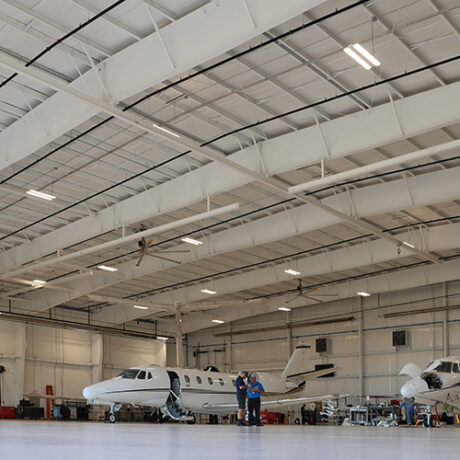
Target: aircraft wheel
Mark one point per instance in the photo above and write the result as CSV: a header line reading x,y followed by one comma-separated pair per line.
x,y
191,422
111,418
426,422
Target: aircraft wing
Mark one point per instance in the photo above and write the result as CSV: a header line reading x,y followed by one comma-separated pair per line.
x,y
450,395
275,403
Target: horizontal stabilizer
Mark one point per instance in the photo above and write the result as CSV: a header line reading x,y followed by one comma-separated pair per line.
x,y
309,375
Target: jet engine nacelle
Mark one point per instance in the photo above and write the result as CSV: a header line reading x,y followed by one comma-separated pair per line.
x,y
414,386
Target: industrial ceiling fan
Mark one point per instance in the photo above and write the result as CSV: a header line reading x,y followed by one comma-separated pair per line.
x,y
144,249
302,292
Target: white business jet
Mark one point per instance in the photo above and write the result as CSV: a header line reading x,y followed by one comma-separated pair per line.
x,y
181,392
439,382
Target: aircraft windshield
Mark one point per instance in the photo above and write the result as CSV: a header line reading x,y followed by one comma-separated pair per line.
x,y
444,366
129,374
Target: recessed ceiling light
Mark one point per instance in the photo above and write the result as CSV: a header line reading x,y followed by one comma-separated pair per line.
x,y
363,294
107,268
165,130
41,195
409,245
284,309
218,321
208,291
161,338
141,307
191,241
292,272
362,56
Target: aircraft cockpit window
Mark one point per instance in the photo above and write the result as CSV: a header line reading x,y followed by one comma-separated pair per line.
x,y
187,378
149,376
221,382
210,380
129,374
198,379
141,375
444,366
456,368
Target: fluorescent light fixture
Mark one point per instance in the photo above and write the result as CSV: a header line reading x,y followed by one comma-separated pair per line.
x,y
165,130
363,294
107,268
362,56
208,291
141,307
284,309
368,56
191,241
161,338
218,321
41,195
292,272
38,283
409,245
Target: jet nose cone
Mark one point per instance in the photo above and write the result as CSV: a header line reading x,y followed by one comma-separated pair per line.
x,y
88,392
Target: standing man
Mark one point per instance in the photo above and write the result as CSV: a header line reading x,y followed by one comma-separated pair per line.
x,y
241,394
255,390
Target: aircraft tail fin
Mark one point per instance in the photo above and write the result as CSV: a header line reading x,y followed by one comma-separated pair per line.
x,y
298,362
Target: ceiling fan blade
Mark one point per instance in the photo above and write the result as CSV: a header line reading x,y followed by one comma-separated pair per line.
x,y
165,258
312,298
291,300
185,251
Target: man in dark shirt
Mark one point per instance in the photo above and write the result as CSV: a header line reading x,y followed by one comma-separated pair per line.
x,y
241,394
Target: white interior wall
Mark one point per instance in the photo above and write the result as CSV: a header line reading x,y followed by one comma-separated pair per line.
x,y
382,362
35,356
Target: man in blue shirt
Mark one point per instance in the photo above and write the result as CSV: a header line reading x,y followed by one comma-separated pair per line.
x,y
255,390
241,394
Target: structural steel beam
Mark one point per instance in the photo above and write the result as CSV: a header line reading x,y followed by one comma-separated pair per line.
x,y
344,136
366,254
417,191
192,40
390,282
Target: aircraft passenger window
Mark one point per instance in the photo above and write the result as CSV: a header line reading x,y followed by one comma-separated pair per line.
x,y
141,375
444,366
198,379
221,381
149,376
187,378
210,381
456,368
129,374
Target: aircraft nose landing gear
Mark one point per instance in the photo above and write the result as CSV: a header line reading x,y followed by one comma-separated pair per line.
x,y
114,408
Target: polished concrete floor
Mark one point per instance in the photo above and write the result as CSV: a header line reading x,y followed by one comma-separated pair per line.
x,y
78,440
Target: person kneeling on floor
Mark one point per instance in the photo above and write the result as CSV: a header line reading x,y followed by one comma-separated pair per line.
x,y
255,390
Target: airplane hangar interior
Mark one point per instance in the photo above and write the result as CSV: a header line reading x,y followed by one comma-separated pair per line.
x,y
229,228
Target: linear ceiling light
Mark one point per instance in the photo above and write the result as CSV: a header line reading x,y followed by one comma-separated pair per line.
x,y
218,321
362,56
39,282
284,309
107,268
141,307
165,130
161,338
208,291
408,244
41,195
363,294
191,241
292,272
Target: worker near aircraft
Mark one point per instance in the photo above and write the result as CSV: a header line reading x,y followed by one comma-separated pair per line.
x,y
241,394
255,389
